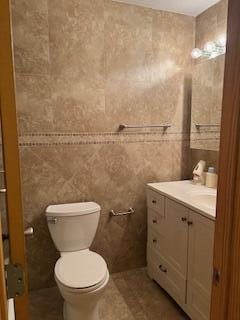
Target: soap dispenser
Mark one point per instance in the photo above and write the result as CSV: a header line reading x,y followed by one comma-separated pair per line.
x,y
211,178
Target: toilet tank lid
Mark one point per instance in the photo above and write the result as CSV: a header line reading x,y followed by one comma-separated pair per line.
x,y
72,209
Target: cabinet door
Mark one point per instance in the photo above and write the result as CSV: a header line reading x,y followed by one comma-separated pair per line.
x,y
200,266
174,249
177,235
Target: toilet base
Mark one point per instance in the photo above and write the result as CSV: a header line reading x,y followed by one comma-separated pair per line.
x,y
82,306
72,312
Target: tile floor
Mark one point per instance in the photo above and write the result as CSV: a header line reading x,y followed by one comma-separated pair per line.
x,y
130,295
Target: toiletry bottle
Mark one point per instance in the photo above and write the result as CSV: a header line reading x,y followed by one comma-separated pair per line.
x,y
211,178
198,172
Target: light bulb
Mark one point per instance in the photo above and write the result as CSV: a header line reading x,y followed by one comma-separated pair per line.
x,y
210,47
213,55
222,40
196,53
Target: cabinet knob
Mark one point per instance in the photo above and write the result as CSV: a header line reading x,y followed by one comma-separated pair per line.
x,y
154,221
184,219
190,223
164,270
154,201
154,240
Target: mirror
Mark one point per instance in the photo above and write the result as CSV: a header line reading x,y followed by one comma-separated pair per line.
x,y
207,92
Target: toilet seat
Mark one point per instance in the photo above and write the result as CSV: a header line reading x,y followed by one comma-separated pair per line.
x,y
82,271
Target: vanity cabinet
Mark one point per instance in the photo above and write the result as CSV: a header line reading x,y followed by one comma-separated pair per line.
x,y
180,253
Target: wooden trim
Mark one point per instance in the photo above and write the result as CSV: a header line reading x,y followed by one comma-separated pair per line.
x,y
11,154
233,311
3,295
226,295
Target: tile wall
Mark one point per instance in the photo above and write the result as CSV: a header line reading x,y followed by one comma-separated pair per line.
x,y
82,68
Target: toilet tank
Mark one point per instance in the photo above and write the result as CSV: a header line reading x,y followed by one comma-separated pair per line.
x,y
73,226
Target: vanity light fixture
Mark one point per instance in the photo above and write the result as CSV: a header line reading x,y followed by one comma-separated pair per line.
x,y
196,53
211,49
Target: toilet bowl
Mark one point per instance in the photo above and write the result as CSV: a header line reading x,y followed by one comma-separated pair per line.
x,y
81,278
81,274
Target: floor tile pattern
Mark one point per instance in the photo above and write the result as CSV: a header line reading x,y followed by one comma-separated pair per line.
x,y
129,295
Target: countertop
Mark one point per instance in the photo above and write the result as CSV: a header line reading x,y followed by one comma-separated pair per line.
x,y
183,192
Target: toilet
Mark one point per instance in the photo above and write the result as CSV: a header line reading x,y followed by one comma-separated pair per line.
x,y
81,274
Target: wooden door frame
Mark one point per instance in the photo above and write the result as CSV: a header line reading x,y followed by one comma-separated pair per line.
x,y
11,155
226,293
3,295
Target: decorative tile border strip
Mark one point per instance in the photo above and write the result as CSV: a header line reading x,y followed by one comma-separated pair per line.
x,y
98,134
48,139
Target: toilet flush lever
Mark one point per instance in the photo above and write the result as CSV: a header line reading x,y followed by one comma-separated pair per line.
x,y
52,220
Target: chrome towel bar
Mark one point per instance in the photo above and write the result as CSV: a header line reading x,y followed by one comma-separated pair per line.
x,y
124,213
140,126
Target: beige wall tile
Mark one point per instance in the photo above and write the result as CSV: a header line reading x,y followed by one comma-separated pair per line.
x,y
34,105
170,48
128,102
76,32
128,42
30,36
98,50
77,107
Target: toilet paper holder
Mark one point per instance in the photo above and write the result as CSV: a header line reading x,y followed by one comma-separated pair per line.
x,y
122,213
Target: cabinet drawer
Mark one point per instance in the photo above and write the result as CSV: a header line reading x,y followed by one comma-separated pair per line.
x,y
155,239
155,201
155,221
166,276
154,263
158,241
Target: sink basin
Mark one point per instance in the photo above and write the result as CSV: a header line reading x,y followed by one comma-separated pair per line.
x,y
206,200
